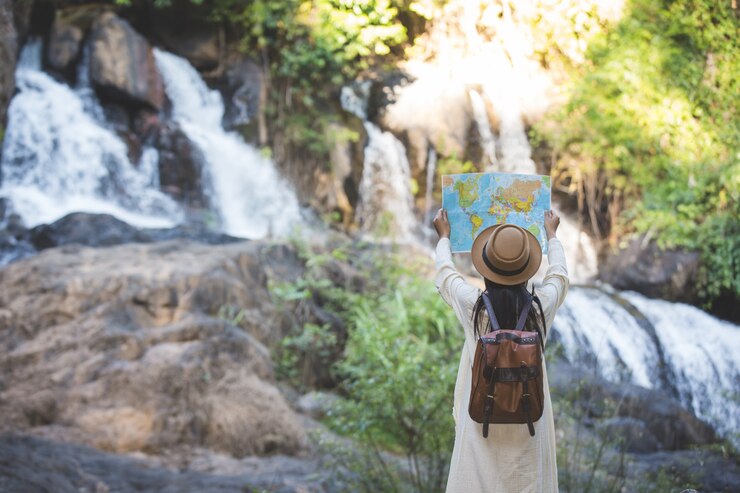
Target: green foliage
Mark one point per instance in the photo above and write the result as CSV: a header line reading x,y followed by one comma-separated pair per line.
x,y
666,480
397,368
311,49
310,343
648,138
399,372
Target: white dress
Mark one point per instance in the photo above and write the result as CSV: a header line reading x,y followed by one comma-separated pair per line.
x,y
509,460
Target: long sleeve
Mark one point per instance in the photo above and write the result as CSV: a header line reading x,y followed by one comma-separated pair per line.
x,y
453,288
555,283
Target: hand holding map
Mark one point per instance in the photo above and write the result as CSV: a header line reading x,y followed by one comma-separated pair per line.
x,y
475,201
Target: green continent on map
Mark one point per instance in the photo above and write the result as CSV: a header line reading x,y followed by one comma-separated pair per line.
x,y
467,190
477,222
534,229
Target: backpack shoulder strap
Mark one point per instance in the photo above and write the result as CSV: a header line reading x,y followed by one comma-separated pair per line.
x,y
492,316
525,313
489,308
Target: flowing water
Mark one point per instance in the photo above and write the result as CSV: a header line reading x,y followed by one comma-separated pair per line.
x,y
58,158
488,141
431,178
385,206
251,199
626,337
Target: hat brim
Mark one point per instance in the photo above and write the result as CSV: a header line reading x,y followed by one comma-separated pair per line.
x,y
476,254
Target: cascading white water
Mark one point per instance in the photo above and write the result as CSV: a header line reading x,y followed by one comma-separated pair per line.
x,y
516,153
487,140
385,203
674,345
704,354
431,171
57,158
580,249
251,198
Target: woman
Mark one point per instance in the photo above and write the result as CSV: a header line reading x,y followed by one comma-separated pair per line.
x,y
507,256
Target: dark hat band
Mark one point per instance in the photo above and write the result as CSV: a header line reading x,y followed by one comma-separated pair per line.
x,y
498,271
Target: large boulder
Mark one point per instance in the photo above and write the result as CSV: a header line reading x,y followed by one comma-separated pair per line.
x,y
81,228
186,30
122,65
644,267
127,349
241,82
649,420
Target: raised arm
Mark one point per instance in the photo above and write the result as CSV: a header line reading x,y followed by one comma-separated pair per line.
x,y
555,284
453,288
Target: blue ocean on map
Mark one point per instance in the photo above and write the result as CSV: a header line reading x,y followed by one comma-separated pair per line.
x,y
475,201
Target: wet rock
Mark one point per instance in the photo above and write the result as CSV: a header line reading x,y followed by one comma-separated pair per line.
x,y
634,432
338,190
241,85
180,166
95,230
122,65
63,46
15,241
8,54
643,267
649,419
707,471
84,229
186,31
316,404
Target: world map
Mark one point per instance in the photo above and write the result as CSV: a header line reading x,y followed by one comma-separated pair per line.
x,y
475,201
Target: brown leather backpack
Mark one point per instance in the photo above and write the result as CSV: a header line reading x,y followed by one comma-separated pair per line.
x,y
507,384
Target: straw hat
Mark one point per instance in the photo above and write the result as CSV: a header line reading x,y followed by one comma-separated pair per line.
x,y
506,254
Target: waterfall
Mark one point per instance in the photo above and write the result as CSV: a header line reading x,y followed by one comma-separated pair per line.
x,y
57,158
431,170
627,337
250,197
487,140
385,205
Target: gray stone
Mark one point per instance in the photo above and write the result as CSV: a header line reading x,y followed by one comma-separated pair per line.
x,y
636,435
241,85
63,46
646,414
706,471
94,230
180,166
642,266
122,65
35,464
125,348
316,404
186,31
